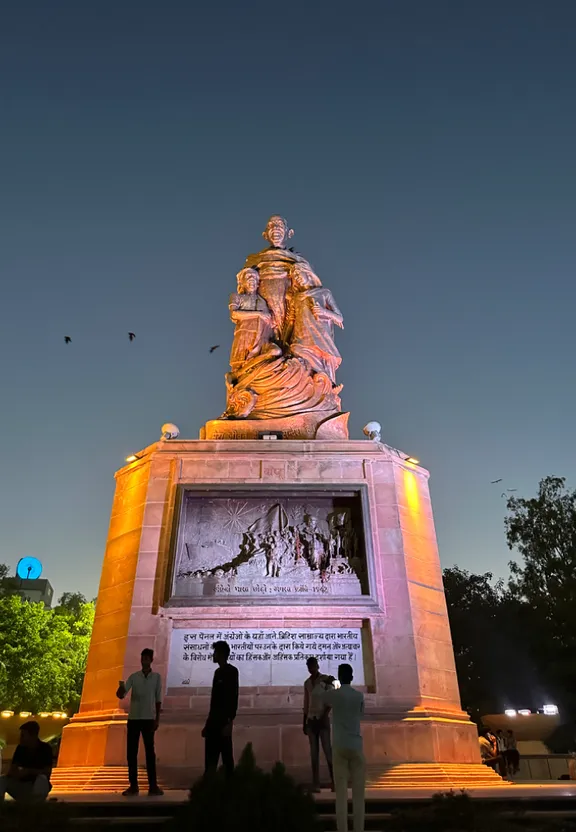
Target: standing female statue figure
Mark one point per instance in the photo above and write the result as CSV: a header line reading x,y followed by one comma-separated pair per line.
x,y
252,317
313,312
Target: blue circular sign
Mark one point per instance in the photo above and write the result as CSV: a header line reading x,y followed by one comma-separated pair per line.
x,y
29,568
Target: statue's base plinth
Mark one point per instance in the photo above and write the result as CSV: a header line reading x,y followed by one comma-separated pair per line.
x,y
414,730
320,425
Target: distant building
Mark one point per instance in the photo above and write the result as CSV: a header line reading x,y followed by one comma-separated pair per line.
x,y
34,590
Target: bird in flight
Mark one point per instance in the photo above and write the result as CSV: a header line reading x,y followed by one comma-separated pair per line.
x,y
67,339
131,335
215,347
493,482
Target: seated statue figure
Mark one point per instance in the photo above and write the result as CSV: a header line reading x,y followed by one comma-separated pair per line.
x,y
312,313
250,312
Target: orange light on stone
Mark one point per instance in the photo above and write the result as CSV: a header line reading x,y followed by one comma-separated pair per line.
x,y
412,492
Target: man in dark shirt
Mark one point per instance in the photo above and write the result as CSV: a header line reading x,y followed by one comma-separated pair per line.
x,y
217,732
28,778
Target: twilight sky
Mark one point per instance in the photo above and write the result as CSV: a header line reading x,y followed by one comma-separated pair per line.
x,y
423,151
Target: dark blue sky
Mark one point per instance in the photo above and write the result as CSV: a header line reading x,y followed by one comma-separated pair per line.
x,y
423,151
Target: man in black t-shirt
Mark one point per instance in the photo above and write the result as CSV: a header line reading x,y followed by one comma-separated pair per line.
x,y
223,706
28,778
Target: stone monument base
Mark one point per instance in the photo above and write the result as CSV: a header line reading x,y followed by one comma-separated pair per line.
x,y
317,425
394,631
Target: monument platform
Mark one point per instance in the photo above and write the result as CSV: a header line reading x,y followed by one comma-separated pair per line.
x,y
286,549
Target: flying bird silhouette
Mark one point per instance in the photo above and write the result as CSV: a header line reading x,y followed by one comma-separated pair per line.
x,y
492,482
67,339
131,335
215,347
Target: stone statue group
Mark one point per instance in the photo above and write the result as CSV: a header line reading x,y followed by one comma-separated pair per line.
x,y
283,359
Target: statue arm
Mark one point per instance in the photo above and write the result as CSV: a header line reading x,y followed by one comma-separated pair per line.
x,y
238,315
330,311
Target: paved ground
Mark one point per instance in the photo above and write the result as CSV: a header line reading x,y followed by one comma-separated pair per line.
x,y
516,791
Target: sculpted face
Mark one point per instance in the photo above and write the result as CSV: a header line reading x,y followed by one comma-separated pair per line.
x,y
248,281
277,232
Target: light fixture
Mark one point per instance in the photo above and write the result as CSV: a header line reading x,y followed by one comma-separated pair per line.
x,y
550,710
524,712
413,460
510,712
6,714
56,714
132,458
25,714
44,714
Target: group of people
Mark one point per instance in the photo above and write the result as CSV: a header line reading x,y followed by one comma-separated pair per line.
x,y
500,751
323,699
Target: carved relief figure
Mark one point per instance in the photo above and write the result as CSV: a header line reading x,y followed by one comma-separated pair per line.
x,y
250,312
313,313
315,544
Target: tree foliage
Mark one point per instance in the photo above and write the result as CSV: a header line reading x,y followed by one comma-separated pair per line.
x,y
543,530
515,643
42,654
494,666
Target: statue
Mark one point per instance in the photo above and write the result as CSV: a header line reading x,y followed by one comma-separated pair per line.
x,y
273,264
314,312
250,312
284,359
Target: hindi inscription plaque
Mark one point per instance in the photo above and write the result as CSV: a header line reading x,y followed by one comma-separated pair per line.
x,y
264,657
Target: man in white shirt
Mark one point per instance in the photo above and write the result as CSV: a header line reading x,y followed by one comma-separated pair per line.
x,y
347,710
317,720
143,718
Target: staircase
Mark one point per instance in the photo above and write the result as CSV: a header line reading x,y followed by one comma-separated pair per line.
x,y
436,776
103,779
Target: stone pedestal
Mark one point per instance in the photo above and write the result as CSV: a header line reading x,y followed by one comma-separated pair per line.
x,y
413,715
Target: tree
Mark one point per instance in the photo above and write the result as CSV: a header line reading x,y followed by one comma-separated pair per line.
x,y
493,665
7,584
71,602
543,530
42,655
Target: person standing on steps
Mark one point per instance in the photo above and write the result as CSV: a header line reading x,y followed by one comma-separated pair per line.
x,y
347,710
217,732
143,718
317,720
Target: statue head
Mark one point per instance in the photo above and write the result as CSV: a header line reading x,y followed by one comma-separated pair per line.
x,y
303,277
277,231
248,281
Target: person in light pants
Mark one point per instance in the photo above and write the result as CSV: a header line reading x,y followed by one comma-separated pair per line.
x,y
347,706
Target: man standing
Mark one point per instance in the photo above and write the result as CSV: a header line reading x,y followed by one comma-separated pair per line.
x,y
143,718
348,707
217,732
317,720
28,777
